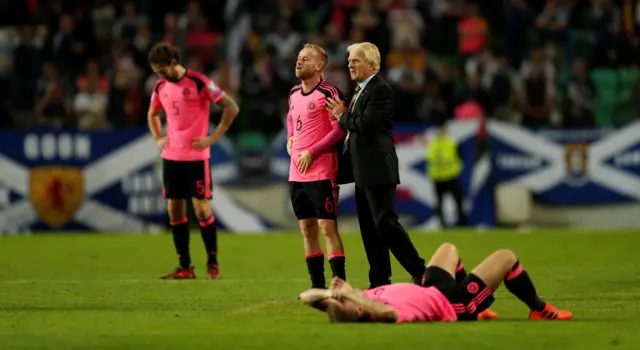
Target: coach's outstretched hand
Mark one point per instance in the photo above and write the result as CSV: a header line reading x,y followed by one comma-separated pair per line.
x,y
162,142
201,142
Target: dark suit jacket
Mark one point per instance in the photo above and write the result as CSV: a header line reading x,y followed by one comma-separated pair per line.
x,y
371,159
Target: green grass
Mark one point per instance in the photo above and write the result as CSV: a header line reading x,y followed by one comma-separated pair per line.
x,y
101,292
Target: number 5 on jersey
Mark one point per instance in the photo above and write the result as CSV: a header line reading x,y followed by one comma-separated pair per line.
x,y
174,108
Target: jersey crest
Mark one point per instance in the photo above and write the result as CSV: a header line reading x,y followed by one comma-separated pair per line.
x,y
311,106
56,193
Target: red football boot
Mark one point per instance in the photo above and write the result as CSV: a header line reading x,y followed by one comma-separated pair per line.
x,y
180,273
213,271
487,314
550,313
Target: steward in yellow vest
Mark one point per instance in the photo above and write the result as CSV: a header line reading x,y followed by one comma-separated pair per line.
x,y
444,165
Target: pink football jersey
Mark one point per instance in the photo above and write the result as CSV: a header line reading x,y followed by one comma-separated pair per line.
x,y
414,303
314,129
186,104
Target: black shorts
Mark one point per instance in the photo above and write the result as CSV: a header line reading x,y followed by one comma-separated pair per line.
x,y
469,298
187,179
314,200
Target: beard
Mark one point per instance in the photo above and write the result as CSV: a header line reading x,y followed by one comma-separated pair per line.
x,y
303,74
171,79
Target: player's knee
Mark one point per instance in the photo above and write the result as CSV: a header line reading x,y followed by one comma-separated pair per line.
x,y
202,214
329,228
309,227
202,210
449,248
176,209
508,256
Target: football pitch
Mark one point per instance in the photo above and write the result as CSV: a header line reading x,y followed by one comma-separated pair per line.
x,y
91,291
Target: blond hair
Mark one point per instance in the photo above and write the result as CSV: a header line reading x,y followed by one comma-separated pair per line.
x,y
337,314
324,58
370,51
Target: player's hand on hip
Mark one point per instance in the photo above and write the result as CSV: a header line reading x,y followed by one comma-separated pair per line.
x,y
289,145
162,142
304,162
336,107
201,142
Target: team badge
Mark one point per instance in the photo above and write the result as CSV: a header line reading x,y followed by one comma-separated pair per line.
x,y
186,92
473,288
311,106
212,86
576,161
56,193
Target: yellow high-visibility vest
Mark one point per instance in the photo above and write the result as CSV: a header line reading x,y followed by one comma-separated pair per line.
x,y
443,161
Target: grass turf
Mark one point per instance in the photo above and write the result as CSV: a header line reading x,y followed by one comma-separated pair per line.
x,y
102,292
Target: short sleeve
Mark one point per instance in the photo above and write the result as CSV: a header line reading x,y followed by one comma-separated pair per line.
x,y
155,96
155,101
212,91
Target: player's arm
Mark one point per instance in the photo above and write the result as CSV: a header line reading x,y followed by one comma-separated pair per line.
x,y
289,129
228,106
329,140
379,108
378,310
153,118
317,298
229,113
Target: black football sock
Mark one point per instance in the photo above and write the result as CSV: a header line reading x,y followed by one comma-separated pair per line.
x,y
460,272
337,261
180,231
315,266
209,234
519,284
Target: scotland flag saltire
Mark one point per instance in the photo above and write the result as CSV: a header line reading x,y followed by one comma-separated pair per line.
x,y
572,167
99,180
416,195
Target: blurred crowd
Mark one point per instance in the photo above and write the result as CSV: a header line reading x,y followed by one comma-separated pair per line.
x,y
69,63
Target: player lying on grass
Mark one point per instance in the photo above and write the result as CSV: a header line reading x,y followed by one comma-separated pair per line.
x,y
441,299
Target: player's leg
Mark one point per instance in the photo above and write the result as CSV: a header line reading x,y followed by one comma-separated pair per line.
x,y
304,210
176,191
503,266
313,254
325,196
447,258
201,193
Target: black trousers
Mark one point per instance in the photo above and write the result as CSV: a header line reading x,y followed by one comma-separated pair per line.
x,y
381,232
453,187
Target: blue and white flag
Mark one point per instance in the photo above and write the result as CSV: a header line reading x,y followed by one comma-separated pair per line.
x,y
593,166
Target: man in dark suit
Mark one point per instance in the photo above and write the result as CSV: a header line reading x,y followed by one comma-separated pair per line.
x,y
374,166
